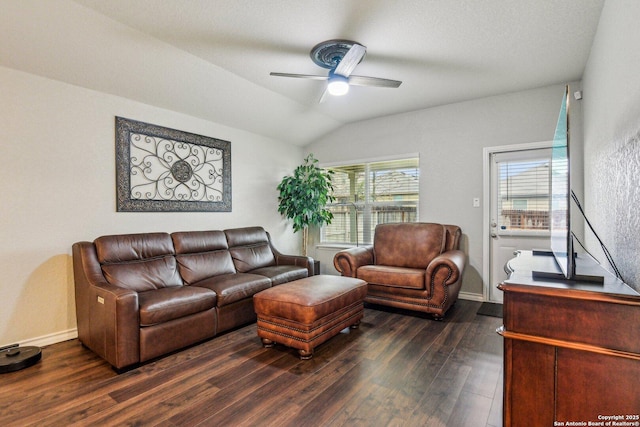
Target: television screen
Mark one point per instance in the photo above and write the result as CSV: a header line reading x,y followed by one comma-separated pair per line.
x,y
560,221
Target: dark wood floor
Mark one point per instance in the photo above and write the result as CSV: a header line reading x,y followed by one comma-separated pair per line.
x,y
395,370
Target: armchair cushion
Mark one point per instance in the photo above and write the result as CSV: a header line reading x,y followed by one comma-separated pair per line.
x,y
397,277
395,244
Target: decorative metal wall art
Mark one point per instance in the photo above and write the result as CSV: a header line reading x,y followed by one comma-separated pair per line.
x,y
166,170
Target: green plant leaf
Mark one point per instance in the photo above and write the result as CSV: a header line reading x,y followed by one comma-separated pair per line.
x,y
304,195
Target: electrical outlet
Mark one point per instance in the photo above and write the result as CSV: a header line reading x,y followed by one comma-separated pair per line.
x,y
476,202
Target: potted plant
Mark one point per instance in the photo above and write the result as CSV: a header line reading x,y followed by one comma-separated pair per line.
x,y
304,196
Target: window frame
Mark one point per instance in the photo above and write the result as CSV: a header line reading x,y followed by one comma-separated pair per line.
x,y
535,155
367,205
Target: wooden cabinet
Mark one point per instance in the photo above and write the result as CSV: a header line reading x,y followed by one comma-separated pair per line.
x,y
571,349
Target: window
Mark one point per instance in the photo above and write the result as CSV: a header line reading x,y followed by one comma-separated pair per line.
x,y
368,194
523,195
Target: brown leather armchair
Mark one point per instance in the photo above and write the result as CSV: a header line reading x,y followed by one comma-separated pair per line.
x,y
415,266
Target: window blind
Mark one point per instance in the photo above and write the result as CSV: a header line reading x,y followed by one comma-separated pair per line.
x,y
368,194
523,194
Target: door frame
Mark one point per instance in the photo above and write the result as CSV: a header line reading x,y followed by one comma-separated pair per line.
x,y
486,196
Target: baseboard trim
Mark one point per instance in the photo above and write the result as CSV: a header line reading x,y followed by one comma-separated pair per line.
x,y
471,297
73,333
51,338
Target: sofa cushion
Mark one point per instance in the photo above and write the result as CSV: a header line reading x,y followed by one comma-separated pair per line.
x,y
132,247
234,287
162,305
282,273
190,242
250,249
396,277
411,245
143,275
246,236
249,258
196,267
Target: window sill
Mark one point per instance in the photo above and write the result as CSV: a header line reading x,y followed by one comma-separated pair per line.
x,y
338,246
524,233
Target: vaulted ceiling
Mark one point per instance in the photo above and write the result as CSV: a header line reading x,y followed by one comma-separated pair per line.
x,y
212,58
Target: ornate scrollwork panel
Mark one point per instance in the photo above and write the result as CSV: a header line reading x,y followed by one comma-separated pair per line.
x,y
166,170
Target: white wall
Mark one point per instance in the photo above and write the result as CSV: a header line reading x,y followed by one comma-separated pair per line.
x,y
450,140
612,137
57,147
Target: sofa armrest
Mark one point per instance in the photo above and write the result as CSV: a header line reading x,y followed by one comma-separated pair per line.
x,y
107,315
297,260
452,261
348,261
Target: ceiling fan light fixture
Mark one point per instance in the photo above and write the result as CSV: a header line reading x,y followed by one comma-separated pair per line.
x,y
340,57
338,85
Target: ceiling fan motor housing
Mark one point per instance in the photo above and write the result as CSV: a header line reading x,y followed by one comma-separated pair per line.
x,y
328,54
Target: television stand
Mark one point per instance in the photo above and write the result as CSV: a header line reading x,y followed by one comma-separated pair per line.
x,y
587,269
571,349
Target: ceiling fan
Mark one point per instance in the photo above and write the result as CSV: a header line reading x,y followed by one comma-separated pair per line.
x,y
341,57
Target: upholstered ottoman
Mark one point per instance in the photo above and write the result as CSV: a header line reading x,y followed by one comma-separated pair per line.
x,y
307,312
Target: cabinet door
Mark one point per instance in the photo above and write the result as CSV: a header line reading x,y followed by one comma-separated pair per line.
x,y
529,384
591,384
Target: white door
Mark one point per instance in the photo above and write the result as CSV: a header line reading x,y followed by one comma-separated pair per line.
x,y
519,208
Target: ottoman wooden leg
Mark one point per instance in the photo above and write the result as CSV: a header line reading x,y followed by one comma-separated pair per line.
x,y
305,355
267,343
355,325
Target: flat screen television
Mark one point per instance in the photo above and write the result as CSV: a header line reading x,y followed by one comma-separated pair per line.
x,y
559,211
560,204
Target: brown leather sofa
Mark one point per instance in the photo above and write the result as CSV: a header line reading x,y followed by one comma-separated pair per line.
x,y
140,296
415,266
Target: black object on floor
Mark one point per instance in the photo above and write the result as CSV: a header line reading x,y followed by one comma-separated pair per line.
x,y
13,357
490,309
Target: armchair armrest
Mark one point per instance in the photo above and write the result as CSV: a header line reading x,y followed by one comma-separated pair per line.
x,y
107,315
452,261
347,261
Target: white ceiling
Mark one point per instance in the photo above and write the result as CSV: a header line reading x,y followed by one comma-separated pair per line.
x,y
444,51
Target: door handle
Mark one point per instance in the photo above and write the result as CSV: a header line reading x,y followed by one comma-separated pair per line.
x,y
494,235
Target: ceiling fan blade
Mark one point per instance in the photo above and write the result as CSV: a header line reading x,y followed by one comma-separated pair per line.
x,y
350,60
300,76
323,98
373,81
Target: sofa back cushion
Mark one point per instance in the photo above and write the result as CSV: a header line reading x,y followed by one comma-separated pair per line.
x,y
140,262
193,242
196,267
250,249
132,247
411,245
202,254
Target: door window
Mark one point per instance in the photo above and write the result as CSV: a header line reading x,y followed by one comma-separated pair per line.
x,y
523,194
